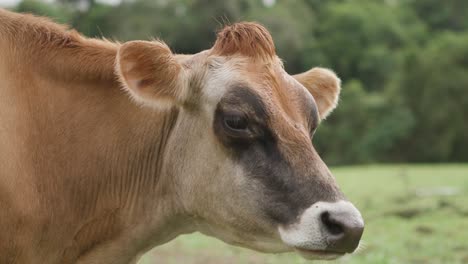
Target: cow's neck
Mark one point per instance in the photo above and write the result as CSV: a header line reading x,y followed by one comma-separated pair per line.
x,y
104,158
91,162
129,185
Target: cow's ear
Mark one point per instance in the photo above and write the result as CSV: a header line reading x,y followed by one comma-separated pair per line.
x,y
151,74
324,86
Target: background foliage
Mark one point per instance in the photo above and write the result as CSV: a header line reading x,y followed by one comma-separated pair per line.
x,y
403,63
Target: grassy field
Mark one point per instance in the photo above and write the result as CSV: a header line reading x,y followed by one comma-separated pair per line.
x,y
413,214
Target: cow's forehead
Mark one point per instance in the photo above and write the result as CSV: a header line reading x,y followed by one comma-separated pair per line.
x,y
286,98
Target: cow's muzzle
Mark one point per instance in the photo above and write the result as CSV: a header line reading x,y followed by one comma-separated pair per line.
x,y
325,230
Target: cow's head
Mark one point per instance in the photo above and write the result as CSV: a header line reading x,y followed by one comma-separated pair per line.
x,y
241,152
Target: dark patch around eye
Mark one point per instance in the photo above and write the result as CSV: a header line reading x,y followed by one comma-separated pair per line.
x,y
240,101
283,191
247,100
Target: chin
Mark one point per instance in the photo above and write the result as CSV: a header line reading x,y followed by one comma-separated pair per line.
x,y
265,247
318,254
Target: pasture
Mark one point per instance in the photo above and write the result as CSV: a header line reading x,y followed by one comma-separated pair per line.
x,y
413,214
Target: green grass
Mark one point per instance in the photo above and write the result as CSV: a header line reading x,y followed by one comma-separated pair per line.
x,y
408,220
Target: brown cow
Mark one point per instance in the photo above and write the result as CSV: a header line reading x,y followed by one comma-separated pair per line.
x,y
108,150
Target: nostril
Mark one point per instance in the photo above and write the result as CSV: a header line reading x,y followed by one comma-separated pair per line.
x,y
332,226
344,228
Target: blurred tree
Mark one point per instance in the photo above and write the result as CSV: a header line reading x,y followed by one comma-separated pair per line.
x,y
290,23
434,85
96,22
200,19
186,25
56,12
364,128
442,15
362,41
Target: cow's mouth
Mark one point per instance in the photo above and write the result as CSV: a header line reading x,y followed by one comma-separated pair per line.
x,y
318,254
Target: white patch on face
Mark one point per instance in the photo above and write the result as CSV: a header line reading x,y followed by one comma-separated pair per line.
x,y
310,234
219,78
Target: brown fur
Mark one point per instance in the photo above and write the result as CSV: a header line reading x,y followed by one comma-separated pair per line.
x,y
43,41
87,176
247,39
79,162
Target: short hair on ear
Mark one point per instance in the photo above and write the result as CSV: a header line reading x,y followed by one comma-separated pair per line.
x,y
324,86
150,73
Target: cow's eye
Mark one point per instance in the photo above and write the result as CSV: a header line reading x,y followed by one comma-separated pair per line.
x,y
236,121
